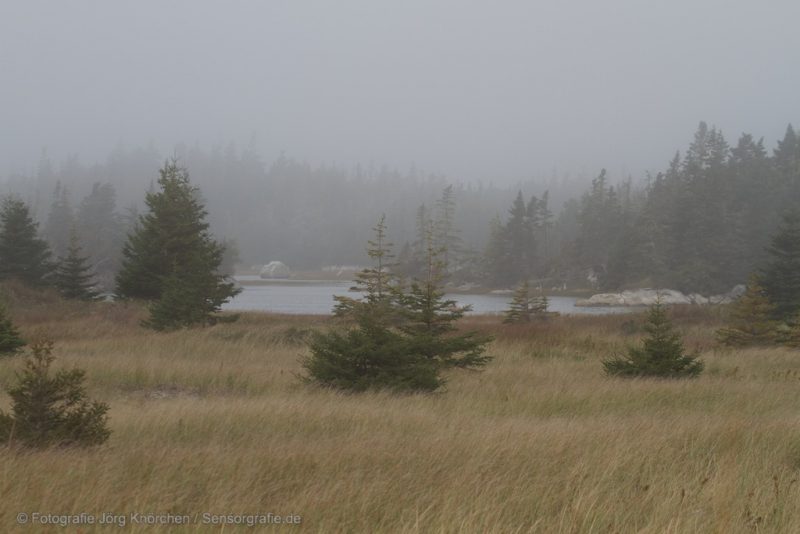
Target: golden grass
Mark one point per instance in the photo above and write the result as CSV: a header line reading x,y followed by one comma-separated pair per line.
x,y
215,420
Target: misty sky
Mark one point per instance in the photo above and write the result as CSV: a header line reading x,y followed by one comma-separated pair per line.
x,y
475,90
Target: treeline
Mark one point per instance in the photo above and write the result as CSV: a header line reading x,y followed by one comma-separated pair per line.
x,y
287,210
699,226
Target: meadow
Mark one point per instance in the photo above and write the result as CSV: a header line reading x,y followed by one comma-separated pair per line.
x,y
216,421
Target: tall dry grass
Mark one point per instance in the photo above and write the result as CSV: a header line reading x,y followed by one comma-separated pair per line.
x,y
215,420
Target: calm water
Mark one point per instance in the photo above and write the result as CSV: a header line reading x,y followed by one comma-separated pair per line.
x,y
306,297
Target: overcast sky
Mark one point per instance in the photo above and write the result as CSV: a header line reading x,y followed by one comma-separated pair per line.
x,y
476,90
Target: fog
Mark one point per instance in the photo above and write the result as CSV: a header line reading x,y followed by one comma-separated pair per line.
x,y
473,90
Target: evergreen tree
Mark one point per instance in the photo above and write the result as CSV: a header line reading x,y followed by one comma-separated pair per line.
x,y
429,317
525,306
446,234
661,354
59,221
791,336
171,253
23,254
10,340
73,276
101,231
751,320
781,277
52,410
373,354
377,283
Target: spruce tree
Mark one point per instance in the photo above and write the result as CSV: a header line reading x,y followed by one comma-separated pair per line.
x,y
428,319
791,335
781,277
377,283
73,276
52,410
751,320
171,254
10,340
370,356
59,221
661,355
373,354
23,255
525,306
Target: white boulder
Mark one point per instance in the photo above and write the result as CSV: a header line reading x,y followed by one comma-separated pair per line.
x,y
275,269
637,297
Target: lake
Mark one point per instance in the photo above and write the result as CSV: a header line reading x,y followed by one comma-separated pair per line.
x,y
316,297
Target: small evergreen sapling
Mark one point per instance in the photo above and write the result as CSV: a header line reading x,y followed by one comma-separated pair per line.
x,y
524,306
10,340
750,319
661,355
373,354
52,410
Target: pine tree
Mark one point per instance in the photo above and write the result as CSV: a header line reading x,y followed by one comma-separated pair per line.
x,y
23,254
10,340
525,306
52,410
751,320
781,277
172,254
428,319
660,356
73,276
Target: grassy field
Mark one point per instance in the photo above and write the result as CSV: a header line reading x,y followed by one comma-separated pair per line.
x,y
215,421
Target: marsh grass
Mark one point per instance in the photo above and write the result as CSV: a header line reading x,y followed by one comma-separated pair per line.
x,y
216,420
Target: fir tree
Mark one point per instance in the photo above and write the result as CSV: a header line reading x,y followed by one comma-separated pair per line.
x,y
660,356
750,319
781,277
73,276
23,254
52,410
171,253
10,340
525,306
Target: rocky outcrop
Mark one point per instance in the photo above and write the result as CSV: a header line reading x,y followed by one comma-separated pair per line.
x,y
275,269
648,297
